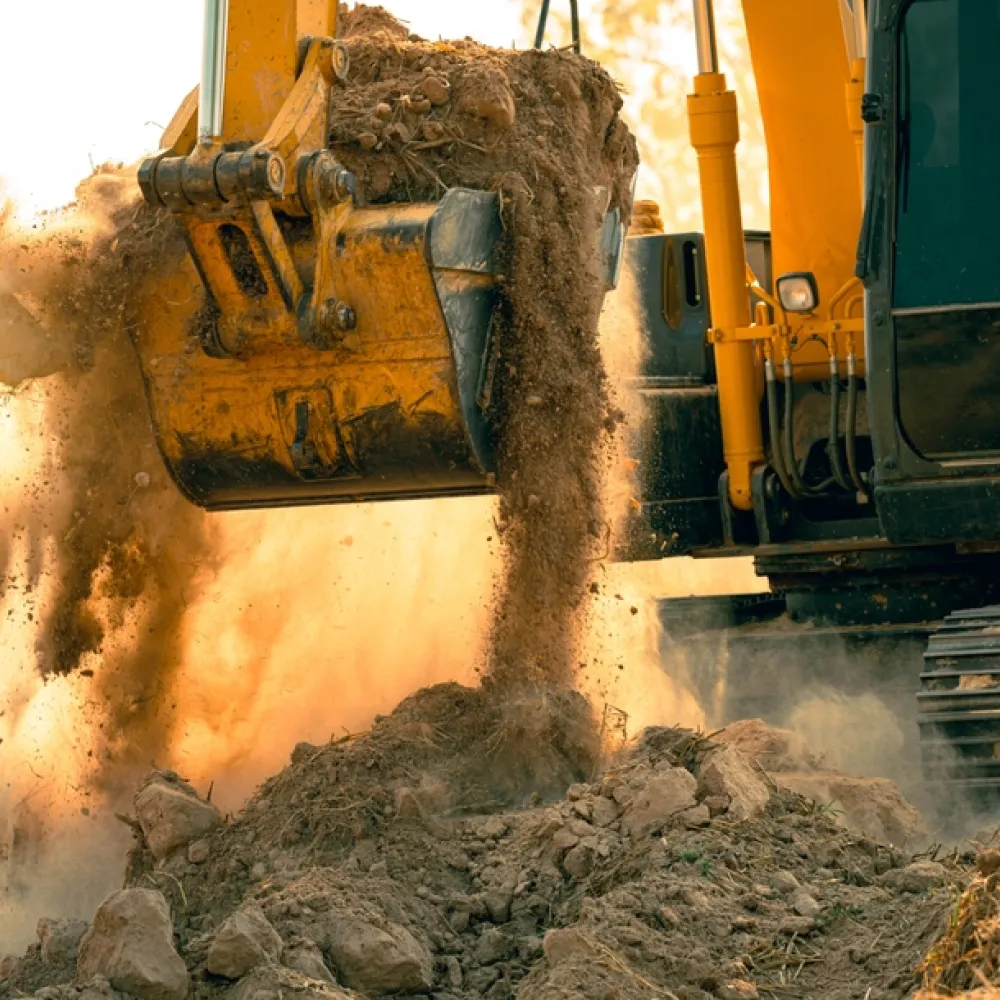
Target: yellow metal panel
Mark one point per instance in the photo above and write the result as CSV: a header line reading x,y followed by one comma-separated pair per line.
x,y
262,56
801,65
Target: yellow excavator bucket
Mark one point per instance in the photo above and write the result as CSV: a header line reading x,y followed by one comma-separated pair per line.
x,y
304,348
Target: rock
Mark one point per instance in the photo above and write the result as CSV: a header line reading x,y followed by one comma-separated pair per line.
x,y
459,921
453,972
273,982
582,808
171,816
772,748
198,852
308,959
494,828
493,946
373,959
804,904
698,817
367,140
917,877
727,772
436,90
563,944
131,943
603,812
666,794
60,938
380,869
97,988
784,882
244,940
407,804
738,989
8,966
623,795
576,792
564,839
796,925
579,862
498,903
870,807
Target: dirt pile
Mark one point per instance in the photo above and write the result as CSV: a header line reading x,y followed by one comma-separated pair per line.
x,y
543,130
429,856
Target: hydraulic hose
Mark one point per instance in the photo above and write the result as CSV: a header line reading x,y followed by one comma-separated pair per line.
x,y
833,441
851,431
790,460
773,428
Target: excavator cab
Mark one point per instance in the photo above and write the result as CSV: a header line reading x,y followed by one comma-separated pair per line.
x,y
303,347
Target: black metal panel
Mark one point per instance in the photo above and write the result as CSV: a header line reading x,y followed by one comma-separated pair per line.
x,y
679,474
673,299
942,510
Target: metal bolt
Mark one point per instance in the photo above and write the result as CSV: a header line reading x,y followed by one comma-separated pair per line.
x,y
347,318
879,317
889,463
344,185
334,315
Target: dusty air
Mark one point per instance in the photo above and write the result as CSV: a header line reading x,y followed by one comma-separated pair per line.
x,y
505,505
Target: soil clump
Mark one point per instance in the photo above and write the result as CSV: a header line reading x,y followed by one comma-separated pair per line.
x,y
543,129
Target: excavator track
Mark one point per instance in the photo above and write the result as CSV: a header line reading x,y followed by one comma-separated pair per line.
x,y
959,705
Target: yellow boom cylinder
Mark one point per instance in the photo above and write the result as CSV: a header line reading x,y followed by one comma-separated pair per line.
x,y
714,125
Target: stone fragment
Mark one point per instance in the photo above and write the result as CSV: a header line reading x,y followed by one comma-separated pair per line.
x,y
727,772
603,812
920,876
498,903
453,972
666,794
245,939
784,882
436,89
564,839
308,959
60,938
273,982
407,804
579,862
198,851
697,817
493,946
373,959
804,904
171,816
131,943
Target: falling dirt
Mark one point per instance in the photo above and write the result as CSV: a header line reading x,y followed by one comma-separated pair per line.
x,y
542,129
127,547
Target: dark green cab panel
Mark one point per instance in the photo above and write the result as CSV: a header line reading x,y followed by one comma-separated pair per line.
x,y
930,257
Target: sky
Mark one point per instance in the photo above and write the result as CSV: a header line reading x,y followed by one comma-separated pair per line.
x,y
102,86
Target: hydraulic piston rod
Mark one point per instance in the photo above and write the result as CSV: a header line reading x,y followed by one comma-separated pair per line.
x,y
211,95
714,125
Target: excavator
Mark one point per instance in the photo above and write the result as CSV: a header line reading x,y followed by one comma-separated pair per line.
x,y
817,397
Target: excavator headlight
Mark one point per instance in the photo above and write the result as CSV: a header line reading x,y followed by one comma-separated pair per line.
x,y
797,292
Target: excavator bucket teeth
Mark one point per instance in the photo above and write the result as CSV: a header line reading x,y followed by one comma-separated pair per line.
x,y
393,401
